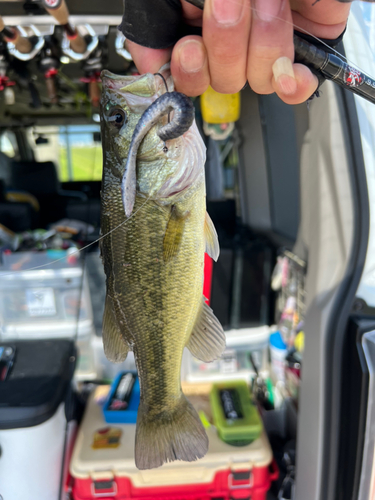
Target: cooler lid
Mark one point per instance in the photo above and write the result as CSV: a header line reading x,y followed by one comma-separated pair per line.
x,y
38,382
101,460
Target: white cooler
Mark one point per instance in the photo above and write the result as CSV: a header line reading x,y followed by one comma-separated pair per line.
x,y
33,419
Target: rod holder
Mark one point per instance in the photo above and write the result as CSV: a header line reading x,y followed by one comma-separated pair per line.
x,y
21,46
120,47
67,45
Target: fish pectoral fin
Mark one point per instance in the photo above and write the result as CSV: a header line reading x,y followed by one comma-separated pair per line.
x,y
207,341
212,242
173,234
115,347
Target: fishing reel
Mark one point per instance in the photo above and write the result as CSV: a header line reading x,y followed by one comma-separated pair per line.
x,y
48,64
5,82
93,66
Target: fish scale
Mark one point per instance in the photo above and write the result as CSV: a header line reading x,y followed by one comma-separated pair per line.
x,y
153,263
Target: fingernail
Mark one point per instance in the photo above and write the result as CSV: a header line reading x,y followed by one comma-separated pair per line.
x,y
192,56
227,12
267,10
284,75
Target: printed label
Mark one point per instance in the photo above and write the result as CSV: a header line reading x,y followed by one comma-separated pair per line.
x,y
107,437
40,301
231,404
353,77
228,362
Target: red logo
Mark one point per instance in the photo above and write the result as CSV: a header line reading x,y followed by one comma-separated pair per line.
x,y
52,4
353,77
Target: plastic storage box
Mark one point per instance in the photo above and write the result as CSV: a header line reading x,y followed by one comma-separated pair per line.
x,y
33,419
234,363
235,416
126,387
51,302
226,472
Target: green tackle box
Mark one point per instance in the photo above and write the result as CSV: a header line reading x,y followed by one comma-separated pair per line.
x,y
235,416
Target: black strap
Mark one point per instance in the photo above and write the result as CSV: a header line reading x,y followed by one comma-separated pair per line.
x,y
157,24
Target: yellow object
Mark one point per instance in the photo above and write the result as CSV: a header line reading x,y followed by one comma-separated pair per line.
x,y
106,437
20,197
299,342
220,108
204,419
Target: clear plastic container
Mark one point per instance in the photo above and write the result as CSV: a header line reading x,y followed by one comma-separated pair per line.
x,y
234,362
49,302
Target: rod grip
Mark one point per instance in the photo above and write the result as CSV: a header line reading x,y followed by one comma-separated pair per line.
x,y
51,90
61,14
78,44
94,93
21,43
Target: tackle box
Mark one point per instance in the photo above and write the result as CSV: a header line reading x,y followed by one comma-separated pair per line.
x,y
103,466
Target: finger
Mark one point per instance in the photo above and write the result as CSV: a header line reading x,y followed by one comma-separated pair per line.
x,y
271,38
305,83
148,60
192,15
226,29
189,66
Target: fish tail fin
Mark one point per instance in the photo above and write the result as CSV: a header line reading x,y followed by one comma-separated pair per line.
x,y
171,435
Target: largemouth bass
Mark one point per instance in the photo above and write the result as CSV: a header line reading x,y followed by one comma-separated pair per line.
x,y
153,213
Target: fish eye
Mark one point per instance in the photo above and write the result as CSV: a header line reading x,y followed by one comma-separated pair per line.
x,y
116,117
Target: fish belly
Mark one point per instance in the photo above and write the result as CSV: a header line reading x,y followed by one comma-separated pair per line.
x,y
156,302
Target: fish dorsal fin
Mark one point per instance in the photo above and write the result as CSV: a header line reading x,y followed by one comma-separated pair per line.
x,y
143,87
115,347
173,234
207,341
212,242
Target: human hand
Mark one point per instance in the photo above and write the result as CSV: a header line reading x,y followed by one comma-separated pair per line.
x,y
241,43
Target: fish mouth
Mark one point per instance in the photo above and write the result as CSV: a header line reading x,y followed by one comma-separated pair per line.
x,y
111,81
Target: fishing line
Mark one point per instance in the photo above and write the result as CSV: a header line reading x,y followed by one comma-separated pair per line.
x,y
331,49
78,250
299,28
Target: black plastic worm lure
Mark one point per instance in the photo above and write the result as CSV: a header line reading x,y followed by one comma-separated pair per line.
x,y
183,118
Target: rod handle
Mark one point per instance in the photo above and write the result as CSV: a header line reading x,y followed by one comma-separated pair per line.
x,y
21,43
78,44
61,13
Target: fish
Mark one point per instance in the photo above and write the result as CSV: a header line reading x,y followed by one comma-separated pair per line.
x,y
155,231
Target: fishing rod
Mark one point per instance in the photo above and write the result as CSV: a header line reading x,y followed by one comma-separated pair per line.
x,y
328,65
59,11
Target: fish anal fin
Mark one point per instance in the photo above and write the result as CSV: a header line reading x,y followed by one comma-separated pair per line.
x,y
176,434
173,234
115,347
212,242
207,341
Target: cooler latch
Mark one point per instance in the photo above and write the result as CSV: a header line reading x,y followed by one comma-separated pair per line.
x,y
240,480
103,488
